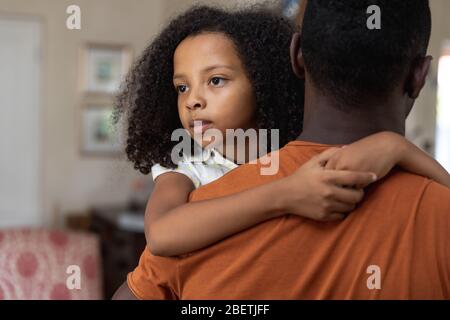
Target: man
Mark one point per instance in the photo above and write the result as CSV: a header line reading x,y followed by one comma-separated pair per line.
x,y
394,246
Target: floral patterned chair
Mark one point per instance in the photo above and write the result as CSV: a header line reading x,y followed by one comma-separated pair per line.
x,y
38,264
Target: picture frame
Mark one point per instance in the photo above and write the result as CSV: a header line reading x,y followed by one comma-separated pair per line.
x,y
104,67
98,135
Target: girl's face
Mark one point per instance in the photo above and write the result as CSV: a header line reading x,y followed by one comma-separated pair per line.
x,y
212,85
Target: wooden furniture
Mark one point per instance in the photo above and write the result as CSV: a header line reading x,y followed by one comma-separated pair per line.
x,y
122,240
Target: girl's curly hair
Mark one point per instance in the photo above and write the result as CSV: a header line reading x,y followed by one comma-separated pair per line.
x,y
147,97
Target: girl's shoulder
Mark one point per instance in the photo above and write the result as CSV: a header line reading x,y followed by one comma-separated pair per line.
x,y
202,168
182,167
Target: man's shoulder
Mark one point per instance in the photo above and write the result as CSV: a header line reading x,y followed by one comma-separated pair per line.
x,y
406,183
239,179
438,191
270,167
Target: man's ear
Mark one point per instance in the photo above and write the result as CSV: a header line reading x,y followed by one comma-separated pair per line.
x,y
297,61
418,76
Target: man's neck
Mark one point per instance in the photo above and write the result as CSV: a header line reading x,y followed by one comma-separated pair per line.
x,y
327,123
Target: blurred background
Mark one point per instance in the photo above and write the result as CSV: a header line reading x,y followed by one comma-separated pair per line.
x,y
68,196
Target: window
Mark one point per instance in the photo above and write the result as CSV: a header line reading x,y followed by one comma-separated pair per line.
x,y
443,109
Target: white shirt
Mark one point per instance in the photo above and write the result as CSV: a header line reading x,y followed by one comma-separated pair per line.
x,y
205,166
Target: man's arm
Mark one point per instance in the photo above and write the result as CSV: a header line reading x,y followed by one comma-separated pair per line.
x,y
153,279
124,293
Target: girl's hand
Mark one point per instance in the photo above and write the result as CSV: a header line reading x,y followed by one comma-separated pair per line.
x,y
377,153
380,152
321,194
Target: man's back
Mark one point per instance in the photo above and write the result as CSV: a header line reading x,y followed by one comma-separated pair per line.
x,y
399,233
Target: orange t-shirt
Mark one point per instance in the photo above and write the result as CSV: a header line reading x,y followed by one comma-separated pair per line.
x,y
395,245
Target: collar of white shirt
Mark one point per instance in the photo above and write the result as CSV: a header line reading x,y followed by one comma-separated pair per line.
x,y
210,156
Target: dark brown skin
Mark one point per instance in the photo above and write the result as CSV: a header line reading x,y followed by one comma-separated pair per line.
x,y
124,293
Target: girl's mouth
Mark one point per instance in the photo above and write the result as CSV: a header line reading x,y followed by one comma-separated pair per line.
x,y
200,125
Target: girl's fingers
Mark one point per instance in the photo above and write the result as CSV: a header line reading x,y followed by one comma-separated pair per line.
x,y
350,178
347,195
341,207
323,158
331,163
335,217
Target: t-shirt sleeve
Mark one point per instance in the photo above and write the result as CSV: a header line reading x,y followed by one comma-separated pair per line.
x,y
185,168
154,278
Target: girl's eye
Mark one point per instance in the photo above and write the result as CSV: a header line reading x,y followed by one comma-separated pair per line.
x,y
181,88
217,81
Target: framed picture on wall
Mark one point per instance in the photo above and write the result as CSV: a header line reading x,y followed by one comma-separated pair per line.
x,y
99,136
104,67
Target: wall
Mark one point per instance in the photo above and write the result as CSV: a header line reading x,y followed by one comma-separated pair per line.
x,y
69,181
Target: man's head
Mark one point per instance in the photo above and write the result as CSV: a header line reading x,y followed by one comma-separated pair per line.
x,y
346,61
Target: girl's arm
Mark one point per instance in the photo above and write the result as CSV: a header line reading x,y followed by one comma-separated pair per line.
x,y
417,161
380,152
175,227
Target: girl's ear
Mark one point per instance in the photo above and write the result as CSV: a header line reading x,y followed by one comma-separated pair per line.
x,y
297,61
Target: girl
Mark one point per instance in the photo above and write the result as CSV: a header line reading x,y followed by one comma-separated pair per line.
x,y
228,71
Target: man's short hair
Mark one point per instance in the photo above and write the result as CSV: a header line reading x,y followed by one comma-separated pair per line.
x,y
353,63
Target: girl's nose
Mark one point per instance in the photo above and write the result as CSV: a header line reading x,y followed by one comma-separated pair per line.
x,y
195,101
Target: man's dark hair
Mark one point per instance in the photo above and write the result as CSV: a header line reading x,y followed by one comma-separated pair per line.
x,y
353,63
